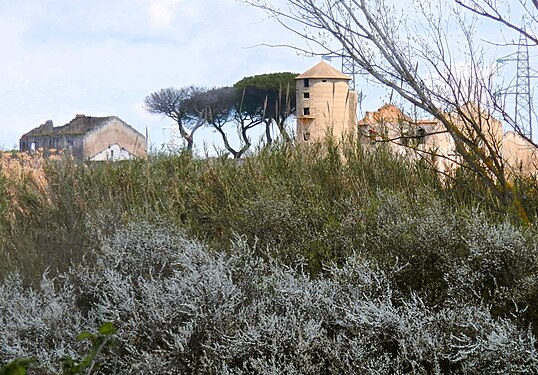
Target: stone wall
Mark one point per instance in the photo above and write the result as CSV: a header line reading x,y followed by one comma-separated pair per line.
x,y
71,144
114,132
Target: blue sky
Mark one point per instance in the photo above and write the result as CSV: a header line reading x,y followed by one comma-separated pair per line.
x,y
101,57
63,57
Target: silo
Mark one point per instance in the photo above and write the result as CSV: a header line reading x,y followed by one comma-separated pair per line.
x,y
325,105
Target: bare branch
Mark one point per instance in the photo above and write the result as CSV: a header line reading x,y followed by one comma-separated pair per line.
x,y
494,15
417,65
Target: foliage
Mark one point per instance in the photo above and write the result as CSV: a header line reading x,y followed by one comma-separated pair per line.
x,y
289,198
180,307
269,81
17,367
307,259
269,98
89,362
70,366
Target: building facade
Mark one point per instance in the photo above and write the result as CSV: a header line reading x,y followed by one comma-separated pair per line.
x,y
327,107
88,138
325,104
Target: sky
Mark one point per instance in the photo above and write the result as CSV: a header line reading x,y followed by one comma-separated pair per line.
x,y
101,58
66,57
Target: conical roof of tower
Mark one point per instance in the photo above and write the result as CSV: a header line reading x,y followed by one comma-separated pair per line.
x,y
323,70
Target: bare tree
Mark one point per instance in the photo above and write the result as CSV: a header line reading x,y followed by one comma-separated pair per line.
x,y
492,10
418,61
182,106
523,36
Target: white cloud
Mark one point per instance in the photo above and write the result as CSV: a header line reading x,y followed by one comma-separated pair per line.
x,y
104,58
163,12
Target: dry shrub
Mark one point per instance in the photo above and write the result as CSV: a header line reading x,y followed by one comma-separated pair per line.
x,y
25,175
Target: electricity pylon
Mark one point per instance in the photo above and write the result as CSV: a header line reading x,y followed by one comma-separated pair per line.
x,y
523,107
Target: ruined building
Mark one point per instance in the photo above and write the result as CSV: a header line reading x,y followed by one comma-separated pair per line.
x,y
325,104
416,138
88,138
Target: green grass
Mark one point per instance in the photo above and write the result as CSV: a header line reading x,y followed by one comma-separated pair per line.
x,y
294,199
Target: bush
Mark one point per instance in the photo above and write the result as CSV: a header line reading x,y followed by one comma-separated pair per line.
x,y
181,308
296,259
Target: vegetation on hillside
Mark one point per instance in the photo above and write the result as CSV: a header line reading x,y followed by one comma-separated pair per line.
x,y
303,259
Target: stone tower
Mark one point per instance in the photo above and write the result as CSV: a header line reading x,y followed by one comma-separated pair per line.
x,y
325,104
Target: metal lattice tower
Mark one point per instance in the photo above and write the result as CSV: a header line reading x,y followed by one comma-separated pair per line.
x,y
523,105
349,66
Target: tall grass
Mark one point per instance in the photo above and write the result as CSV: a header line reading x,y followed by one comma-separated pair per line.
x,y
290,198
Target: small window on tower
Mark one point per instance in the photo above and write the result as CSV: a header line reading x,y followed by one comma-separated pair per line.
x,y
306,95
421,135
323,80
306,111
306,82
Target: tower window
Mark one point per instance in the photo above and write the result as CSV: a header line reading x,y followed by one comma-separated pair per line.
x,y
323,80
306,95
421,135
306,82
306,111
